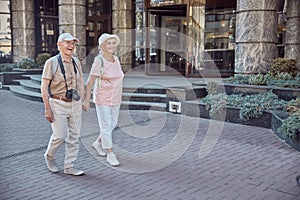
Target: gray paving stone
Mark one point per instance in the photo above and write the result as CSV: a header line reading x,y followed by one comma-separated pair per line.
x,y
246,162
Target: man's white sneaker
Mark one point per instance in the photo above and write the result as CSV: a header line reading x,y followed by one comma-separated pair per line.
x,y
73,171
112,159
97,146
51,164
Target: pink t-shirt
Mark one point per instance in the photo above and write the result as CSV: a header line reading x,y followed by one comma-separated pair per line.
x,y
109,91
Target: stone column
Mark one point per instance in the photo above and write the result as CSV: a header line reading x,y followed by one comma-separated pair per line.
x,y
122,25
72,19
256,28
23,40
292,49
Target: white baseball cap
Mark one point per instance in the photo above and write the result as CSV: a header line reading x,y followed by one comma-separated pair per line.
x,y
66,37
106,36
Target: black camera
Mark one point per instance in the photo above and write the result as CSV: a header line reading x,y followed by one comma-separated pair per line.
x,y
72,94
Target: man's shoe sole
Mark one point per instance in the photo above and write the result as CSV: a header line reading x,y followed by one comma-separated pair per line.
x,y
51,170
74,174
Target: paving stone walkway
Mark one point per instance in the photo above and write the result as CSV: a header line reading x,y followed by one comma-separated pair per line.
x,y
162,155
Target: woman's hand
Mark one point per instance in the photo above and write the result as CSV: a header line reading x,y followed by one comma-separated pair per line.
x,y
86,105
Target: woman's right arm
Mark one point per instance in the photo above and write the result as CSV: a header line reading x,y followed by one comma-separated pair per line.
x,y
88,90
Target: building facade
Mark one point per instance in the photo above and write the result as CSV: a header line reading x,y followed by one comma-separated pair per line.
x,y
161,37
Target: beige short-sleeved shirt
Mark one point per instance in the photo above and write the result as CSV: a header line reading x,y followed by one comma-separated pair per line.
x,y
58,85
110,91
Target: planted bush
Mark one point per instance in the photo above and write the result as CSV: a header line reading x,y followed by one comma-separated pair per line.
x,y
7,67
251,106
212,87
282,79
283,65
215,103
293,106
26,63
237,79
41,59
291,126
256,79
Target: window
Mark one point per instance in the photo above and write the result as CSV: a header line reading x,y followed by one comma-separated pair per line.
x,y
140,33
220,38
46,24
99,20
5,31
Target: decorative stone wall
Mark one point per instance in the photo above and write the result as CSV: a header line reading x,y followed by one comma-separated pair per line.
x,y
72,19
23,40
292,49
122,25
256,28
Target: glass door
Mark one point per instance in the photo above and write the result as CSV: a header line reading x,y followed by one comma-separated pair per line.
x,y
166,54
99,18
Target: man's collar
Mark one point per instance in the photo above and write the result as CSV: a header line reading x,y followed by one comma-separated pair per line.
x,y
65,60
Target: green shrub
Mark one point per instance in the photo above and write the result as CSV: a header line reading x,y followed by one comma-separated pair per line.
x,y
285,65
215,103
212,87
254,105
26,63
293,106
283,76
41,59
237,79
281,79
7,67
291,126
256,79
251,106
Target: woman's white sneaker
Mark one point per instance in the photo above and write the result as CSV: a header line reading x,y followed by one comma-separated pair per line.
x,y
97,146
112,159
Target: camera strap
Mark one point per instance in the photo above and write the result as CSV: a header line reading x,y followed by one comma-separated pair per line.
x,y
62,69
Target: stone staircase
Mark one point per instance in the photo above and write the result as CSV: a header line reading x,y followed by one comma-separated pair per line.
x,y
132,98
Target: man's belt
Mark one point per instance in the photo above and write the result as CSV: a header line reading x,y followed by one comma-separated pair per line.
x,y
61,98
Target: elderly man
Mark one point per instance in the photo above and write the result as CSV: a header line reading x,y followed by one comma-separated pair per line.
x,y
62,88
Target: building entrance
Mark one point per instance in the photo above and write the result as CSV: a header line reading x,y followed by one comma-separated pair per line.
x,y
166,43
99,20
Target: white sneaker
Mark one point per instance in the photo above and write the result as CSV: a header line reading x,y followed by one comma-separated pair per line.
x,y
51,164
73,171
112,159
97,146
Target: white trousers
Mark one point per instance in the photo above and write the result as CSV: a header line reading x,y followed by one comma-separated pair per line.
x,y
107,118
66,129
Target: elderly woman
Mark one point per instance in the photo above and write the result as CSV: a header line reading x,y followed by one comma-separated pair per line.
x,y
106,76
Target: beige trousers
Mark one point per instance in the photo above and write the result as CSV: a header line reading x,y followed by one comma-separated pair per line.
x,y
66,129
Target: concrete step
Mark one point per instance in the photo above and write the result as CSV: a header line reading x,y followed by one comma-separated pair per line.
x,y
144,90
134,105
36,78
144,97
30,85
133,98
131,105
24,93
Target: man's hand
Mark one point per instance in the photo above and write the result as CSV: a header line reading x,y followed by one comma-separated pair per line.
x,y
49,115
86,105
